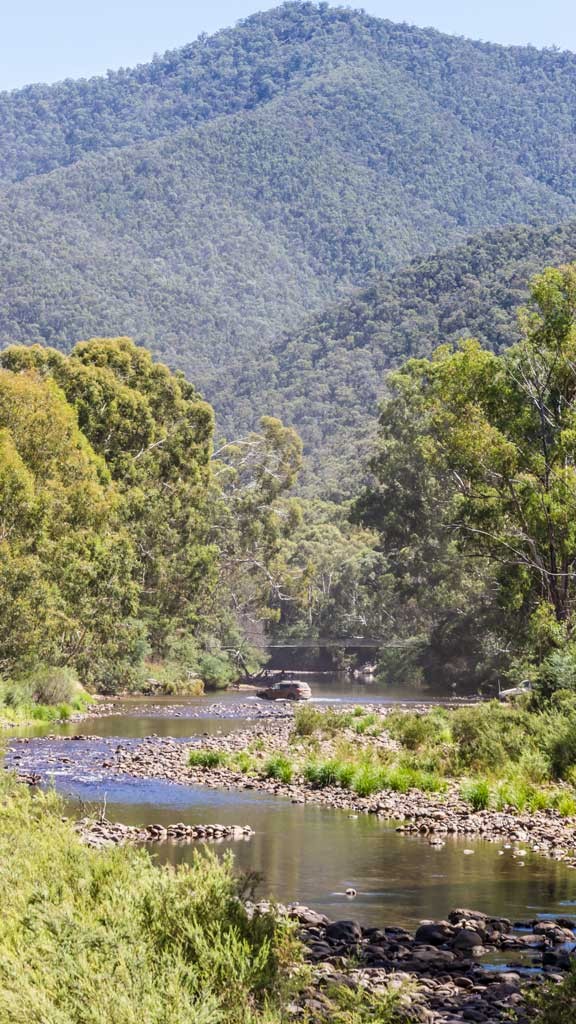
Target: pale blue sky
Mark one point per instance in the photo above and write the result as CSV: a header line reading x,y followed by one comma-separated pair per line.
x,y
47,40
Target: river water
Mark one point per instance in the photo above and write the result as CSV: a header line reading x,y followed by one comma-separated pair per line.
x,y
303,853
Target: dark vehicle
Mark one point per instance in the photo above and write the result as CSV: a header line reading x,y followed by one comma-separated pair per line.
x,y
293,690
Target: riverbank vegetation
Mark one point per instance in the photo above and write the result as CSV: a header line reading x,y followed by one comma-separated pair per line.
x,y
517,758
472,498
131,553
184,948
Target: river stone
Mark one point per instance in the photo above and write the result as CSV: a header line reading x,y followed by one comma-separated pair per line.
x,y
433,934
466,939
431,954
344,931
307,916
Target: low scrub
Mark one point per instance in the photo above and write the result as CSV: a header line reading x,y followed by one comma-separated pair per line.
x,y
173,679
553,1003
45,695
207,758
523,747
182,946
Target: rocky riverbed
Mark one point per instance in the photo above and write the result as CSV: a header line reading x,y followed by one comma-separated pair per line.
x,y
438,966
434,815
101,832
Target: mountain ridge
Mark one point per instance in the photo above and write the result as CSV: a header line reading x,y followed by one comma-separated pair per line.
x,y
298,156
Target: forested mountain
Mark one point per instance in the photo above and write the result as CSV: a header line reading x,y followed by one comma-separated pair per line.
x,y
211,200
326,377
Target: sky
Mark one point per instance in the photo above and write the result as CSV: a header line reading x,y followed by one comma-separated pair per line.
x,y
48,40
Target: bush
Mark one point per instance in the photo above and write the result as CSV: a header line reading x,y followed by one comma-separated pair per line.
x,y
243,762
562,749
489,735
557,672
306,720
329,773
416,730
556,1004
207,758
278,767
216,672
565,804
182,945
174,679
368,779
367,723
50,685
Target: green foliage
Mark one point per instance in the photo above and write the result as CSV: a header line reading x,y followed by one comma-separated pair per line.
x,y
477,794
278,767
104,458
264,170
49,685
553,1003
207,759
368,779
183,947
216,671
174,679
357,1006
475,476
306,720
243,762
414,730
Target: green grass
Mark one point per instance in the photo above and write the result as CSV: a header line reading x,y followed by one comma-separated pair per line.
x,y
243,762
207,758
278,767
477,794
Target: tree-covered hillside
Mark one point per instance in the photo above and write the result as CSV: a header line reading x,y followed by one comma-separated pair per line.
x,y
326,378
210,200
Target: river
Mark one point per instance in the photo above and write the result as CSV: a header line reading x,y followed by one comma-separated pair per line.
x,y
304,853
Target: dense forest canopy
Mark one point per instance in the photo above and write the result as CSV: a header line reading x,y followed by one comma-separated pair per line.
x,y
473,500
327,377
125,539
208,201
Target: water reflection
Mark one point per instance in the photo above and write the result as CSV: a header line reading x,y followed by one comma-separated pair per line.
x,y
304,852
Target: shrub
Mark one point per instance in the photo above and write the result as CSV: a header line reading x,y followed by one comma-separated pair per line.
x,y
416,730
174,679
489,735
557,671
177,939
243,762
206,758
278,767
555,1004
367,722
562,749
50,685
306,721
565,804
216,671
329,773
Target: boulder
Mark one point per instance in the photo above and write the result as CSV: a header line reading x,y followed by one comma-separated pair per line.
x,y
344,931
466,940
433,934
